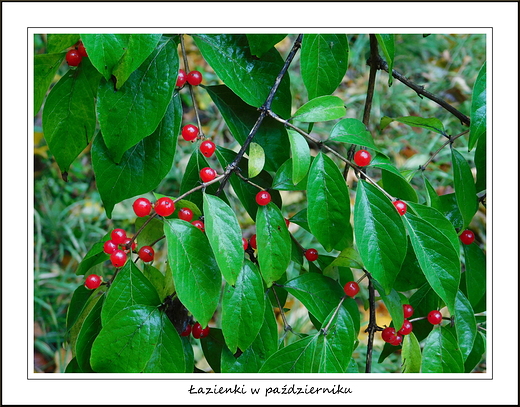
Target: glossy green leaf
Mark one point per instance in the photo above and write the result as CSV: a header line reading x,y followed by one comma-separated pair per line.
x,y
88,333
259,44
195,271
143,166
212,346
274,243
349,257
240,119
94,256
301,156
320,109
225,237
251,78
69,115
256,160
437,257
411,354
324,62
45,68
441,353
133,112
105,50
61,42
432,198
284,178
380,234
139,339
465,324
465,190
474,358
477,127
431,124
480,164
475,273
130,287
243,308
328,203
77,304
383,162
451,210
387,44
398,186
393,304
352,131
410,276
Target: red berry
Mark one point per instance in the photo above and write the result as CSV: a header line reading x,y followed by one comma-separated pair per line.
x,y
181,78
351,288
362,158
207,148
398,340
194,78
263,198
127,241
109,247
81,50
199,224
186,214
190,132
164,206
311,254
186,331
73,57
142,207
252,241
401,207
118,258
389,335
146,254
406,328
467,237
407,310
93,281
207,174
434,317
118,236
198,332
245,243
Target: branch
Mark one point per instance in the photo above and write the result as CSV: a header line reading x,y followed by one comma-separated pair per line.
x,y
372,325
450,141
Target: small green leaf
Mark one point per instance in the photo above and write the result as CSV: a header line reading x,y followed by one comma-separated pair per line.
x,y
393,304
212,346
94,256
349,257
61,42
352,131
477,126
261,43
256,160
432,198
397,185
431,124
465,324
411,354
320,109
465,190
284,179
475,273
45,67
301,156
387,44
441,353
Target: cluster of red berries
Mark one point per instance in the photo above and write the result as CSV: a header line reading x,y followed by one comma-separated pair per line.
x,y
394,337
76,54
164,207
196,330
117,248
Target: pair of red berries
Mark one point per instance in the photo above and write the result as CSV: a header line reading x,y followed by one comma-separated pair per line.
x,y
196,330
194,78
190,133
75,55
163,207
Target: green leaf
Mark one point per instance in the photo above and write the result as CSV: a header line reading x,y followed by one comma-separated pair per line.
x,y
397,185
94,256
151,232
130,287
410,276
256,160
61,42
139,339
301,156
349,257
133,112
157,279
212,346
77,304
45,68
243,308
195,271
380,234
441,353
474,358
261,43
393,304
251,78
423,301
387,44
432,198
240,119
225,237
328,203
465,190
73,367
274,243
438,259
352,131
143,166
284,179
431,124
465,324
477,126
69,115
480,164
324,62
475,273
105,50
451,210
320,109
411,354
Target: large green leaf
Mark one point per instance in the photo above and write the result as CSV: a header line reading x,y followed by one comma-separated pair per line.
x,y
320,109
387,44
328,203
225,237
45,67
352,131
195,271
397,185
431,124
88,333
324,62
251,78
240,118
274,243
243,308
477,126
437,257
133,112
411,354
301,156
441,353
465,190
465,324
143,166
69,115
475,273
380,234
261,43
61,42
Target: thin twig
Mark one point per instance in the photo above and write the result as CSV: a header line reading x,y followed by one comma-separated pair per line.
x,y
325,330
449,141
286,325
192,94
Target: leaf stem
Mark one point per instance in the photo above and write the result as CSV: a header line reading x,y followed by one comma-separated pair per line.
x,y
325,330
192,93
449,141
